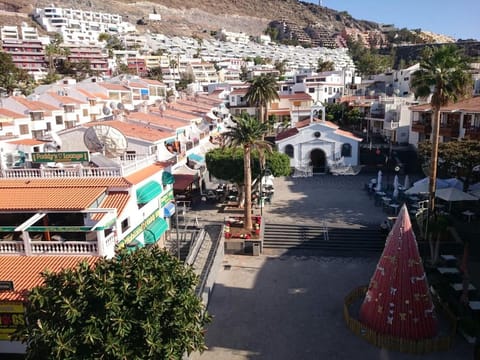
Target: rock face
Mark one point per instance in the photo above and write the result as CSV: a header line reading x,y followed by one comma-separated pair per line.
x,y
198,17
398,301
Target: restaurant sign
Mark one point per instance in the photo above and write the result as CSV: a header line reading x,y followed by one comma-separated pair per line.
x,y
138,230
71,156
11,316
166,198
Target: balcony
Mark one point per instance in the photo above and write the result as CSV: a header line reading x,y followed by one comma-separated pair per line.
x,y
421,128
87,248
472,133
449,131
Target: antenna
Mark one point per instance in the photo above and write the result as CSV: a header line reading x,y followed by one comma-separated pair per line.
x,y
106,140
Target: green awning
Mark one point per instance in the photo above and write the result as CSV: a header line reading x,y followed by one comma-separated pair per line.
x,y
167,178
148,192
153,232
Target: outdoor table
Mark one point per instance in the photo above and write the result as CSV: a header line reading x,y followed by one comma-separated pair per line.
x,y
468,214
448,270
459,287
449,257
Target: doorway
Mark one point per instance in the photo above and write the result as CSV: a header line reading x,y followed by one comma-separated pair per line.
x,y
318,160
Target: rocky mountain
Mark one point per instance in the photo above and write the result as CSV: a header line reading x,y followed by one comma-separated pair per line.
x,y
200,17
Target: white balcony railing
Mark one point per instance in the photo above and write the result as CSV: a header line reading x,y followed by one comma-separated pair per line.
x,y
90,248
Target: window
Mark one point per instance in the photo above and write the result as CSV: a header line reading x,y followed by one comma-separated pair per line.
x,y
347,150
59,120
125,225
85,112
311,90
289,151
24,129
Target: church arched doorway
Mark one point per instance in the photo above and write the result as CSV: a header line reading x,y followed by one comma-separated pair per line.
x,y
318,160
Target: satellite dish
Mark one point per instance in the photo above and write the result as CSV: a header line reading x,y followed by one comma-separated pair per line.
x,y
106,110
113,105
105,139
120,106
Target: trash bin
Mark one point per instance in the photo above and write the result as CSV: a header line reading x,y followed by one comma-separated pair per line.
x,y
256,249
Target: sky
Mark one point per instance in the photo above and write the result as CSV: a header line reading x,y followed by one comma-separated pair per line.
x,y
456,18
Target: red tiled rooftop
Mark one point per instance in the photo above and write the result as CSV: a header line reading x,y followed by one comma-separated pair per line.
x,y
117,87
296,96
65,99
114,200
347,134
25,271
34,105
287,133
28,142
5,113
145,173
136,131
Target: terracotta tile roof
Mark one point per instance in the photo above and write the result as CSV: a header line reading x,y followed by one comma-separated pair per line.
x,y
136,131
239,91
181,115
423,107
117,87
153,82
279,111
329,124
5,113
25,271
65,182
286,134
114,200
26,142
23,199
55,193
347,134
303,123
470,105
145,173
34,105
65,99
133,84
88,94
296,96
156,119
102,96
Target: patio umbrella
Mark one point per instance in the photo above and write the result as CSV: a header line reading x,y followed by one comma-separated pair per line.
x,y
406,183
395,187
453,194
379,181
475,193
455,183
421,186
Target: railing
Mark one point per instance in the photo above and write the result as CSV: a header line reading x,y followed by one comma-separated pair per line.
x,y
473,133
12,247
421,127
449,131
67,172
67,247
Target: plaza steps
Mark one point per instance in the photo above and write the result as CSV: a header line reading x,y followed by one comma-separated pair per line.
x,y
332,241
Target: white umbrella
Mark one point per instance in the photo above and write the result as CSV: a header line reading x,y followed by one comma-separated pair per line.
x,y
453,194
475,193
421,186
379,181
406,183
395,187
455,183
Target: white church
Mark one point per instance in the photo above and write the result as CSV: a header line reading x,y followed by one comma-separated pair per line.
x,y
317,146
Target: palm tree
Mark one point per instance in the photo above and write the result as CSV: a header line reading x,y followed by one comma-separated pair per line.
x,y
444,74
247,133
262,91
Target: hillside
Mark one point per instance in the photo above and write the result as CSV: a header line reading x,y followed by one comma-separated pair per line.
x,y
197,17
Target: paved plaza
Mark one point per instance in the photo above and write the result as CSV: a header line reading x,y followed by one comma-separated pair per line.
x,y
287,306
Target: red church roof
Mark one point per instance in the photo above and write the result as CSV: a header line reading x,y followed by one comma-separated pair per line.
x,y
398,302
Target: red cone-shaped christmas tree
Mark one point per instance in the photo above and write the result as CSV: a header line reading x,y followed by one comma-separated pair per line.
x,y
398,302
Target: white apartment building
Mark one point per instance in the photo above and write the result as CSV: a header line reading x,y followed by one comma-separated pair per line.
x,y
80,26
